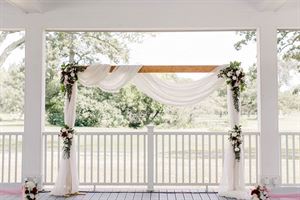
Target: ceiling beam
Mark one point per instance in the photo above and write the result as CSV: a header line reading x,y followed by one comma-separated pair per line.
x,y
27,6
173,68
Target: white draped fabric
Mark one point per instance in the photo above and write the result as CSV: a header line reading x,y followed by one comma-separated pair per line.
x,y
232,181
67,179
166,92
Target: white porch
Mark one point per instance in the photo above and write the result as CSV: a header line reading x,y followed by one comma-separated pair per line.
x,y
150,158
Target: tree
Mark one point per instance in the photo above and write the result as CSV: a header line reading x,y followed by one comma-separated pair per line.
x,y
249,96
288,64
12,78
97,108
288,43
19,43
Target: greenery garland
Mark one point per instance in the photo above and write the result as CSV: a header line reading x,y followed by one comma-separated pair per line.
x,y
69,75
67,134
235,137
30,190
235,77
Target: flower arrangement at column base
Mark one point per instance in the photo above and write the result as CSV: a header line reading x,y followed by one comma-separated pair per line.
x,y
30,190
260,193
235,137
67,134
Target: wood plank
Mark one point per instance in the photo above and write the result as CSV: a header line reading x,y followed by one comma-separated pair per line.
x,y
138,196
88,196
204,196
196,196
113,196
188,196
146,196
172,68
122,196
171,196
212,196
163,196
96,196
42,196
155,196
104,196
179,196
129,196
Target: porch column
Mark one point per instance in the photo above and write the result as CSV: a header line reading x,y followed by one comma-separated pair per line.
x,y
34,101
268,104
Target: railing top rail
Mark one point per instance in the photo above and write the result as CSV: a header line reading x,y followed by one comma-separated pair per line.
x,y
11,133
100,133
289,133
199,133
143,132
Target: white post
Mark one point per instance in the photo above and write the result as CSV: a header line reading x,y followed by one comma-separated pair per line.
x,y
34,102
150,158
268,104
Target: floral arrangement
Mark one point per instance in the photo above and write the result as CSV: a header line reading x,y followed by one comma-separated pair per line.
x,y
260,193
30,190
69,77
235,138
235,77
67,133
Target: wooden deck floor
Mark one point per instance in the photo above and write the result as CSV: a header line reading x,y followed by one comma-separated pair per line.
x,y
129,196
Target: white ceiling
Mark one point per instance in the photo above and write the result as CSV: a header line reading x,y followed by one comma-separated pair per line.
x,y
40,6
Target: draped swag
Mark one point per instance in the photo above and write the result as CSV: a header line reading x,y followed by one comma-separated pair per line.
x,y
99,75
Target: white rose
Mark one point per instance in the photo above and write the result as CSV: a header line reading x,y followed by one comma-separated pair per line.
x,y
232,142
233,77
72,74
64,130
238,72
31,196
229,74
234,134
70,135
237,149
30,184
66,77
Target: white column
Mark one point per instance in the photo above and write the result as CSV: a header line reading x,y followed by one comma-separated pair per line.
x,y
268,104
34,101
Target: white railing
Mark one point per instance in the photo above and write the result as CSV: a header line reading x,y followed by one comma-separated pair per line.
x,y
290,158
10,157
149,157
121,158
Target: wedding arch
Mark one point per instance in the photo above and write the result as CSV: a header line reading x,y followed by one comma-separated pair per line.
x,y
112,78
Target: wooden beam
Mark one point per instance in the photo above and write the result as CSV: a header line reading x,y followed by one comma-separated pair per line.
x,y
174,68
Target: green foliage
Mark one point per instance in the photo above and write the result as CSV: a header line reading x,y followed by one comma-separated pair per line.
x,y
95,107
138,109
249,96
288,43
92,112
12,89
247,36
